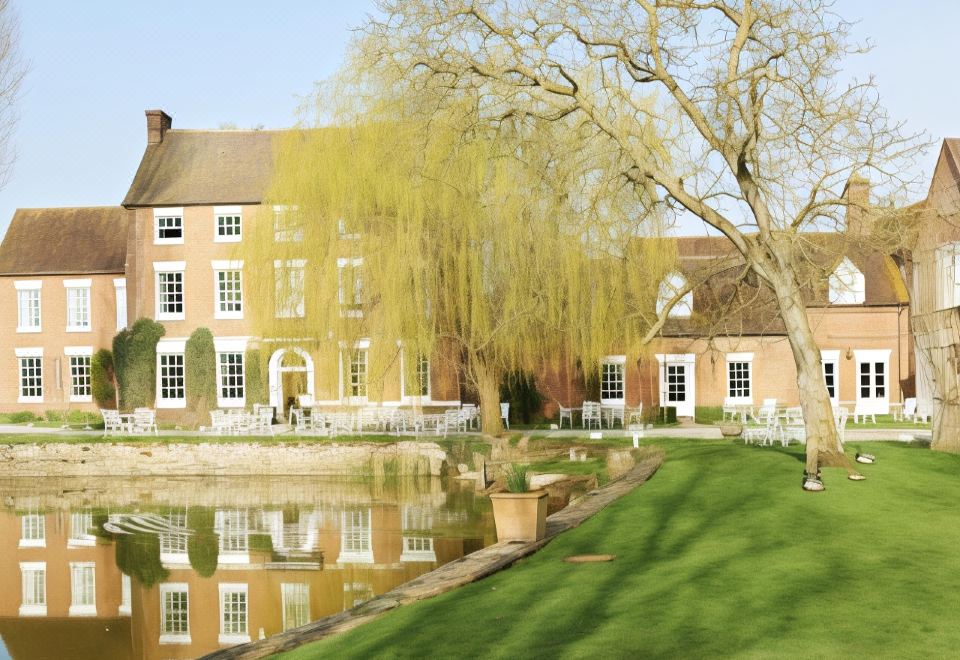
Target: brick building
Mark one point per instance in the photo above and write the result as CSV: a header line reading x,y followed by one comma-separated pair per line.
x,y
170,253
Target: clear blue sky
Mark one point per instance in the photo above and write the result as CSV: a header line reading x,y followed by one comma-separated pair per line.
x,y
96,66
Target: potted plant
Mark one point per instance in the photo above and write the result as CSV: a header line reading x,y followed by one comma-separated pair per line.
x,y
520,514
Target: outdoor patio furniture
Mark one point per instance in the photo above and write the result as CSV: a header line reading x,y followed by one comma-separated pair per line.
x,y
565,413
590,415
505,414
859,412
113,422
765,433
613,413
634,415
840,419
144,421
471,414
910,410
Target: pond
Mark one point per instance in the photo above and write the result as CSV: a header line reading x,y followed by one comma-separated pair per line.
x,y
176,568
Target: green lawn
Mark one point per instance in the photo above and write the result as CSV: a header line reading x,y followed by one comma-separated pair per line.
x,y
721,554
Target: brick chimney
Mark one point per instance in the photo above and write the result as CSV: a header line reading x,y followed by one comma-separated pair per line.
x,y
158,123
858,216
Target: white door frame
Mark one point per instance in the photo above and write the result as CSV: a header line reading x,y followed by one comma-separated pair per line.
x,y
275,378
689,362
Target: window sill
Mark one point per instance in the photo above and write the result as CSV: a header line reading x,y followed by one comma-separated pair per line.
x,y
351,313
175,639
168,241
29,329
233,639
171,317
33,610
32,543
227,239
231,403
82,610
171,403
79,328
228,316
29,399
81,399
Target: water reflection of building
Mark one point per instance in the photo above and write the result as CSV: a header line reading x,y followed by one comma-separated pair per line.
x,y
276,569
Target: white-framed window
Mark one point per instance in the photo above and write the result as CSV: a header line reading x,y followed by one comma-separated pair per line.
x,y
233,528
33,531
171,375
231,392
170,290
831,373
947,282
873,387
168,226
612,383
233,614
125,596
79,358
33,588
356,537
173,544
81,523
78,305
847,284
228,221
30,364
670,287
295,599
83,589
350,286
421,377
417,548
344,233
174,613
287,224
357,373
120,291
289,289
28,305
228,286
739,378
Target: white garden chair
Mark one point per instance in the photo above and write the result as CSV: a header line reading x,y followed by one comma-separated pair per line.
x,y
634,415
910,410
505,414
765,433
840,419
112,421
471,414
144,421
565,414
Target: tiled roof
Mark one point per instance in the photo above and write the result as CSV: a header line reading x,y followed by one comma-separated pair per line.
x,y
65,241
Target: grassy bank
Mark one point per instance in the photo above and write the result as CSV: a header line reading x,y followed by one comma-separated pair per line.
x,y
719,555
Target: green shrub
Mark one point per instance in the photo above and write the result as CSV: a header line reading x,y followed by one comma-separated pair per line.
x,y
135,362
203,545
517,478
668,414
22,417
708,414
101,379
254,371
53,416
200,363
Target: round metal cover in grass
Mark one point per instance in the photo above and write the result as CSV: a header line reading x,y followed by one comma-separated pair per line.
x,y
588,559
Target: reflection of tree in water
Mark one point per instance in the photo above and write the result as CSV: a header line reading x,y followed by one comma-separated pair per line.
x,y
138,555
203,546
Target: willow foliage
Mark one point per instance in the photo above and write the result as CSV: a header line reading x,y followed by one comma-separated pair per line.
x,y
421,222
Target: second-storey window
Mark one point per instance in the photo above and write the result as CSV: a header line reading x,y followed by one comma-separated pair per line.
x,y
78,307
170,298
33,588
168,226
228,222
31,379
229,294
233,613
171,377
231,378
350,286
289,288
28,306
174,613
80,390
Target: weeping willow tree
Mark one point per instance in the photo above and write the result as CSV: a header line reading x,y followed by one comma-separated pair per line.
x,y
416,217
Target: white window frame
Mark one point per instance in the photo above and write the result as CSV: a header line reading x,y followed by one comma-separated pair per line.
x,y
349,306
283,234
346,373
416,396
38,604
227,212
23,354
80,524
847,285
739,358
167,348
947,270
873,405
226,267
72,352
233,529
120,294
125,596
168,268
669,287
300,590
78,605
356,536
79,305
231,402
613,361
39,522
21,287
233,637
170,212
179,637
417,548
288,310
831,357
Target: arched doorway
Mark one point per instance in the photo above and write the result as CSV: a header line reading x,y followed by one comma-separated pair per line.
x,y
290,375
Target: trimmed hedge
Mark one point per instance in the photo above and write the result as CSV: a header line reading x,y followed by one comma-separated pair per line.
x,y
101,379
200,364
135,363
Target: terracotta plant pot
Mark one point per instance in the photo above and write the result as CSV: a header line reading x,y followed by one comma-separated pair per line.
x,y
520,516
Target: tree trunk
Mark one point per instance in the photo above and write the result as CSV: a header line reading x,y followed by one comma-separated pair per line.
x,y
487,381
823,442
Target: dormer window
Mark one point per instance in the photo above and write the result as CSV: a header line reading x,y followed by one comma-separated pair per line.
x,y
168,226
673,284
847,285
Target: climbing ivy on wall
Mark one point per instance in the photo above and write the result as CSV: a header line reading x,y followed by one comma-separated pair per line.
x,y
135,362
200,364
101,379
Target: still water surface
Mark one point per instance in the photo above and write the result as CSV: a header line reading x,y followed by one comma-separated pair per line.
x,y
175,568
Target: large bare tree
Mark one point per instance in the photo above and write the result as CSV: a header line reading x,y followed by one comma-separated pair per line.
x,y
761,129
12,72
